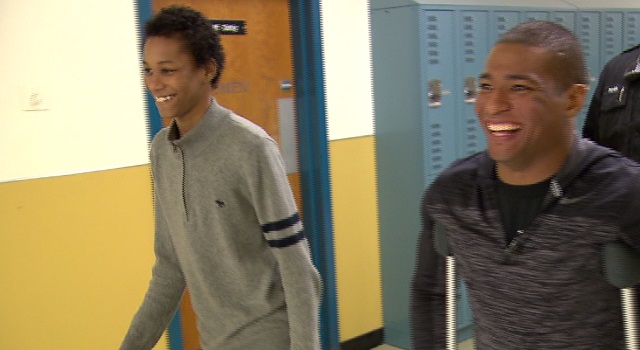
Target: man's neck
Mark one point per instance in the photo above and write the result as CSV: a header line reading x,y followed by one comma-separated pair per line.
x,y
532,173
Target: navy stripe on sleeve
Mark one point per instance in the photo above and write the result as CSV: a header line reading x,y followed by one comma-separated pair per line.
x,y
286,242
282,224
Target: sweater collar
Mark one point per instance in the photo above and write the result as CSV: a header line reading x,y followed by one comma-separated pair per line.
x,y
203,132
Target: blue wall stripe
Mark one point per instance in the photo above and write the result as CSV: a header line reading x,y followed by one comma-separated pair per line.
x,y
154,121
314,158
154,124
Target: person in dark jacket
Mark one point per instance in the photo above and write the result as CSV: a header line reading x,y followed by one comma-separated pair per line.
x,y
526,220
613,119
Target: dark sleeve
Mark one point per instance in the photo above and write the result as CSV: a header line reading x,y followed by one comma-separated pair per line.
x,y
427,310
591,126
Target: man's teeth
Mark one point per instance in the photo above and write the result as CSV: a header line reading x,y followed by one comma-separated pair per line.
x,y
163,98
503,127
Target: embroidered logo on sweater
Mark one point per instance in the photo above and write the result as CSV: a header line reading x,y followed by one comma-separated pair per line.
x,y
220,203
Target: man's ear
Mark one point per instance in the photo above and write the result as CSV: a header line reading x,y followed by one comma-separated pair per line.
x,y
576,95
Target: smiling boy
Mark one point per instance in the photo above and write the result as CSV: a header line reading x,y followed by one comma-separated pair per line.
x,y
227,226
527,218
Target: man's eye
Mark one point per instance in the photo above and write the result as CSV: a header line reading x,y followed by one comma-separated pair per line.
x,y
167,71
521,88
484,87
147,71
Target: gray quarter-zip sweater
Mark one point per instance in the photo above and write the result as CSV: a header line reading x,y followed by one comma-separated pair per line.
x,y
546,290
227,228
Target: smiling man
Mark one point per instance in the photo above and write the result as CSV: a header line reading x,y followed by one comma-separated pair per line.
x,y
227,226
527,219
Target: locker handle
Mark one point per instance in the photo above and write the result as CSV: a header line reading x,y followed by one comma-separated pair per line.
x,y
435,93
470,90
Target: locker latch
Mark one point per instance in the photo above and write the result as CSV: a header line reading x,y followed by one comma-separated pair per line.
x,y
470,90
435,93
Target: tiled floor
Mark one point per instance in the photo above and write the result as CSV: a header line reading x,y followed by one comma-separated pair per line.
x,y
465,345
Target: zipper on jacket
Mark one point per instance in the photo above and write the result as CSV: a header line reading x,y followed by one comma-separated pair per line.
x,y
184,168
513,245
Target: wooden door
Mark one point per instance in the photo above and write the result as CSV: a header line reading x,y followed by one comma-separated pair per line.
x,y
256,64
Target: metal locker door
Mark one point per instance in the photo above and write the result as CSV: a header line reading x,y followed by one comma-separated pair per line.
x,y
395,44
473,40
588,32
536,15
612,37
566,18
502,21
438,81
631,33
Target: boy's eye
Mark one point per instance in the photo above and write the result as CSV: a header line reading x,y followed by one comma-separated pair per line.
x,y
146,70
167,71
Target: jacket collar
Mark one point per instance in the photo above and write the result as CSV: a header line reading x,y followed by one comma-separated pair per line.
x,y
584,153
203,132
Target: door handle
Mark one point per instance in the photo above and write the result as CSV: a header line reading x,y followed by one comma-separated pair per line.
x,y
435,93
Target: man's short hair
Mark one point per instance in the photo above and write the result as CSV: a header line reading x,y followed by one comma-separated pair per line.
x,y
195,30
568,63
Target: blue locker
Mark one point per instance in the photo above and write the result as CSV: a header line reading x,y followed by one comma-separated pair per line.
x,y
438,83
631,29
588,32
537,16
566,18
473,43
426,62
611,36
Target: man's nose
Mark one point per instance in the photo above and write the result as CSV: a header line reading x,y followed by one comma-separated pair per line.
x,y
498,101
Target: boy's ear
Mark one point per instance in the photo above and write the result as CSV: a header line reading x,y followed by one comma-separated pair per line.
x,y
210,69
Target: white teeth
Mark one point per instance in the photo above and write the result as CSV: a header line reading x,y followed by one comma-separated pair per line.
x,y
163,98
503,127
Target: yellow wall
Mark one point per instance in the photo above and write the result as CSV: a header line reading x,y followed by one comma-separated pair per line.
x,y
75,258
355,223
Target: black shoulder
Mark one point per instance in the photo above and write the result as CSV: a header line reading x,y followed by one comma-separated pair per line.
x,y
463,170
631,48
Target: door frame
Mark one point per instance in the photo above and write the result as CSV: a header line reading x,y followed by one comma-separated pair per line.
x,y
313,151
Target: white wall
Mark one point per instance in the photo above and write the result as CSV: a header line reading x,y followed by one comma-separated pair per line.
x,y
83,56
347,60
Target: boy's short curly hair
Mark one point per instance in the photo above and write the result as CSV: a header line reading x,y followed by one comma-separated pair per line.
x,y
196,31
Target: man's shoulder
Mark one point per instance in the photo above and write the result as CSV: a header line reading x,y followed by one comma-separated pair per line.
x,y
607,166
621,62
464,171
467,166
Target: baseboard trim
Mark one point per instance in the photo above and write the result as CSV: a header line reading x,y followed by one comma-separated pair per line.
x,y
365,341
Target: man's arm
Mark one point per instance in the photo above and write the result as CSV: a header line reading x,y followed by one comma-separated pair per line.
x,y
282,227
428,324
163,295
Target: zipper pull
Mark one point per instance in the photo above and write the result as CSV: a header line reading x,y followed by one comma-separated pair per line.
x,y
513,245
